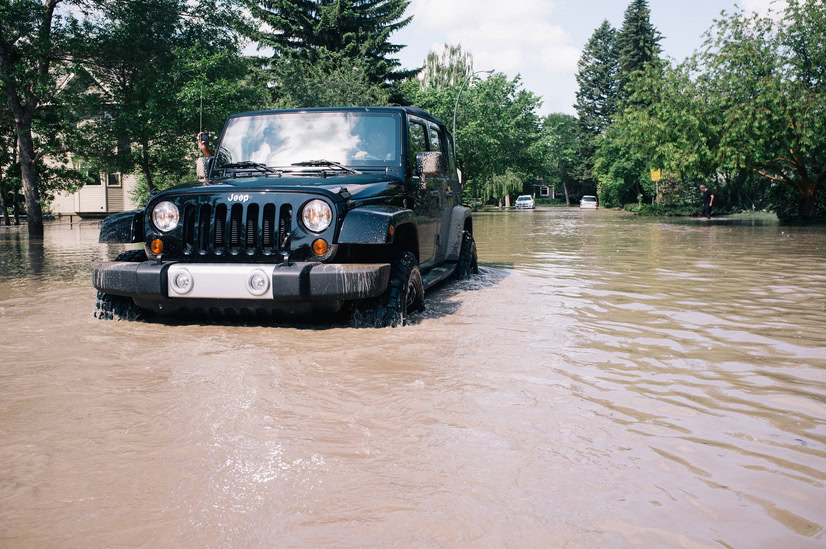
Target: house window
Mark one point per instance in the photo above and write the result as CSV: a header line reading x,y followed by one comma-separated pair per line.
x,y
544,191
113,180
92,178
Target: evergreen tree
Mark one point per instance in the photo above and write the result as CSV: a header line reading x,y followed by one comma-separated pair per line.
x,y
638,44
596,99
307,31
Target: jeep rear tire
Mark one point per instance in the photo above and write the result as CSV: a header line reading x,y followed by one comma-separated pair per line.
x,y
118,307
404,296
468,263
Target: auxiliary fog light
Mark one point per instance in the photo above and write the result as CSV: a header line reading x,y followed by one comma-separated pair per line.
x,y
182,281
320,246
258,282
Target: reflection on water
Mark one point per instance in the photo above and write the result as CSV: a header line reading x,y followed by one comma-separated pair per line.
x,y
606,381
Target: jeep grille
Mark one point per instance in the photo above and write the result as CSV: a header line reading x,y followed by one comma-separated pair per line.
x,y
243,229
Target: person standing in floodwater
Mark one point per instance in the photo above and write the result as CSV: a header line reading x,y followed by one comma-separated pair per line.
x,y
708,200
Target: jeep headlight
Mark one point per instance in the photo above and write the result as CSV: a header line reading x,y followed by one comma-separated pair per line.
x,y
165,216
317,215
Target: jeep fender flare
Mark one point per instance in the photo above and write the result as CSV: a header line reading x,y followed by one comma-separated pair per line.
x,y
122,228
460,221
372,225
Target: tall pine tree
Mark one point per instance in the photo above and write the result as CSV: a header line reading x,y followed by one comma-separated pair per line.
x,y
638,44
306,31
596,98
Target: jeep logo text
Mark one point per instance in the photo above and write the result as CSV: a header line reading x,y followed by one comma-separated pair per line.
x,y
238,198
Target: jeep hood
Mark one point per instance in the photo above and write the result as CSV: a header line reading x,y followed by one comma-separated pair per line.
x,y
357,185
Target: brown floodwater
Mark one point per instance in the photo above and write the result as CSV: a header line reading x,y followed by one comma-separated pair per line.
x,y
606,381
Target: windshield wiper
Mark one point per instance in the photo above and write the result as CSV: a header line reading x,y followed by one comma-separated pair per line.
x,y
246,164
322,162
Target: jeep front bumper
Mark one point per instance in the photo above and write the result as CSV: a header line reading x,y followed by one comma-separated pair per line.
x,y
298,282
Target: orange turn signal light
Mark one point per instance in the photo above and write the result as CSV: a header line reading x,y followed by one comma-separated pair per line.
x,y
391,230
320,246
156,246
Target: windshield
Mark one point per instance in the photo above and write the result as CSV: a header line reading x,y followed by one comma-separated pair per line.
x,y
283,139
523,198
588,199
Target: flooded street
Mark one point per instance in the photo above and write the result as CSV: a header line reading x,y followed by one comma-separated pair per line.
x,y
606,381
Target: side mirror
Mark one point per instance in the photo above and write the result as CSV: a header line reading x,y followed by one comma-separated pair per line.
x,y
431,164
202,166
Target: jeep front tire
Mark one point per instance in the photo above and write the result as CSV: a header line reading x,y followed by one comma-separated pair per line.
x,y
117,307
404,296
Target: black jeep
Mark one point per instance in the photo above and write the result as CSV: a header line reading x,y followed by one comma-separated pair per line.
x,y
299,211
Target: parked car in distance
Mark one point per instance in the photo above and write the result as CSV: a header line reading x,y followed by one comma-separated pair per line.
x,y
525,201
589,201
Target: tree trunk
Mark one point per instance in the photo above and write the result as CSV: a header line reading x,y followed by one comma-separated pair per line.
x,y
565,188
147,172
15,208
29,172
4,206
507,201
808,206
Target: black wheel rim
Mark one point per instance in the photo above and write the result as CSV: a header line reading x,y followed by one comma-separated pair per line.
x,y
411,295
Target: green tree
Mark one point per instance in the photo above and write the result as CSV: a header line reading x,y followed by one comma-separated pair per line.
x,y
596,97
621,170
766,81
33,44
671,122
152,62
9,169
752,103
497,130
332,80
305,32
638,44
561,145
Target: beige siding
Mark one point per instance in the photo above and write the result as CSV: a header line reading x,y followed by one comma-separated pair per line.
x,y
97,199
129,182
114,200
64,203
92,199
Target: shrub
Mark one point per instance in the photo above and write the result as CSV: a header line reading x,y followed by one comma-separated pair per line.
x,y
785,202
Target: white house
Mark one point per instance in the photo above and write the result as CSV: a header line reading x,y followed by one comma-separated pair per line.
x,y
104,193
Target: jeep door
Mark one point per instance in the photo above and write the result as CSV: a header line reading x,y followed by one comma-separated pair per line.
x,y
448,187
425,193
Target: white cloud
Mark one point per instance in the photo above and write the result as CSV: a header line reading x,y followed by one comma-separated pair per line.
x,y
509,36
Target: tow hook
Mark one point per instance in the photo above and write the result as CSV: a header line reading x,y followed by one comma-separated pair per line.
x,y
285,250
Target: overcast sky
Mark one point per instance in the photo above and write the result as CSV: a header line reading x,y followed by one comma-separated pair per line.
x,y
542,39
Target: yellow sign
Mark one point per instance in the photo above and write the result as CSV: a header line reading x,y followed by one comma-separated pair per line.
x,y
656,175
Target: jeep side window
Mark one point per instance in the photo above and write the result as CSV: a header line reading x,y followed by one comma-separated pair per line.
x,y
435,142
417,143
453,173
439,141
